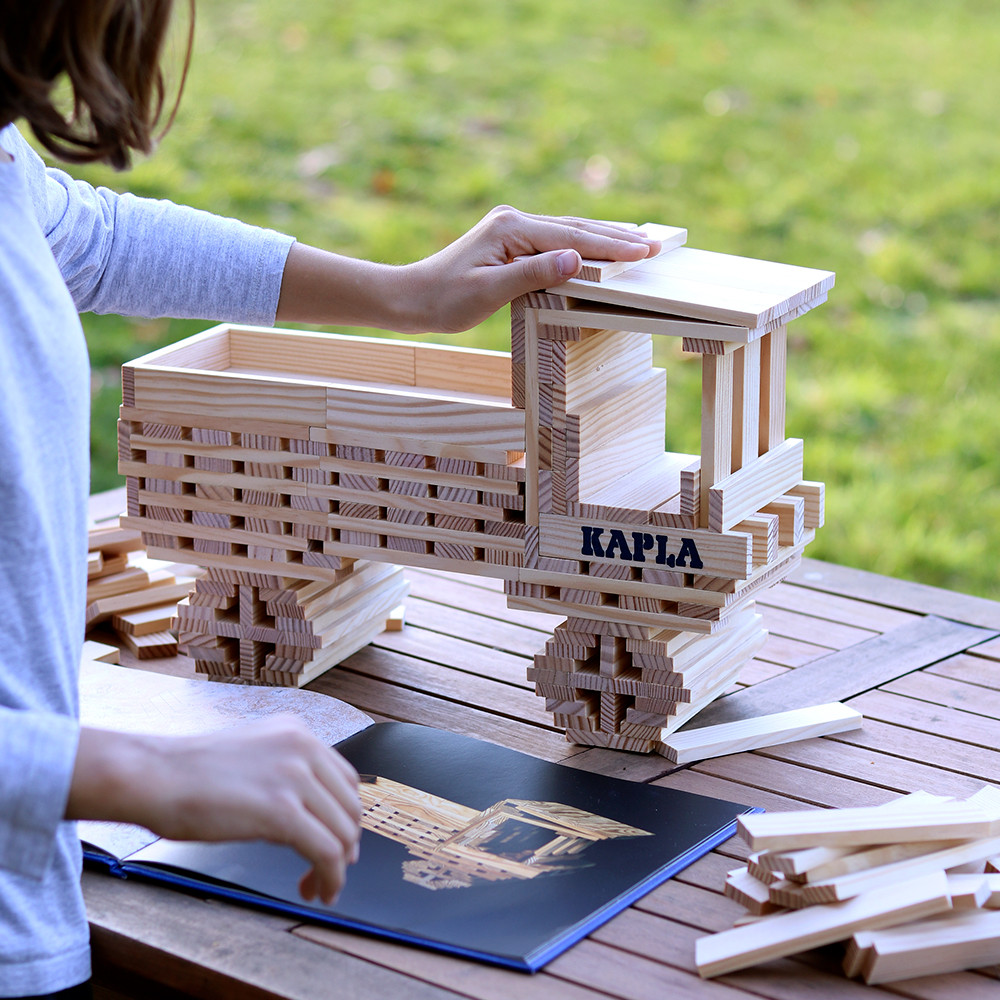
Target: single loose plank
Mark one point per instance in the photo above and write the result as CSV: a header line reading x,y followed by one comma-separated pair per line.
x,y
867,825
847,672
600,270
764,731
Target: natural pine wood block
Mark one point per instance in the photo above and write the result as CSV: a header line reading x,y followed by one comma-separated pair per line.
x,y
761,480
592,316
102,652
768,730
719,554
865,825
765,531
885,876
145,621
955,941
800,930
746,404
814,496
600,270
791,513
706,285
113,539
969,891
773,363
150,645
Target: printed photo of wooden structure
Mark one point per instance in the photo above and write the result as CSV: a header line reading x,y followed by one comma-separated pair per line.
x,y
303,469
455,846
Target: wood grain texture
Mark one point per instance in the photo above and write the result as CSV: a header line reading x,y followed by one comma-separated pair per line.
x,y
600,270
761,480
706,285
788,933
766,730
842,675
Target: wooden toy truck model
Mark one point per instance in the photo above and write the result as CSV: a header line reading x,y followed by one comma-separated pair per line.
x,y
300,469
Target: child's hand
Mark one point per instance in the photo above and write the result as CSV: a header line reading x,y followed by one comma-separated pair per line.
x,y
507,254
269,780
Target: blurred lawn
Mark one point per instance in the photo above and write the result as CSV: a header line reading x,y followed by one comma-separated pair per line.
x,y
856,137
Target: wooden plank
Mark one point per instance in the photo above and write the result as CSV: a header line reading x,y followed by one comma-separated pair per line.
x,y
944,691
208,349
904,594
906,723
439,680
788,933
600,270
488,982
942,856
221,952
967,669
532,464
864,825
479,371
831,607
219,395
773,362
763,731
598,360
820,788
761,480
150,645
720,555
707,285
953,942
307,355
387,700
848,672
399,420
716,426
600,317
892,771
619,432
746,405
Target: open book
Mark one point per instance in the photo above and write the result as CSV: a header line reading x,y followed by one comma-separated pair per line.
x,y
468,847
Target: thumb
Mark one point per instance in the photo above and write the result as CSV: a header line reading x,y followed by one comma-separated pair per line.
x,y
543,270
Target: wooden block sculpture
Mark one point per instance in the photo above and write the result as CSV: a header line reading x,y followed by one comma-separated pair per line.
x,y
301,469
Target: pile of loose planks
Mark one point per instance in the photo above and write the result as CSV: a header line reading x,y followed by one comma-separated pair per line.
x,y
136,595
911,886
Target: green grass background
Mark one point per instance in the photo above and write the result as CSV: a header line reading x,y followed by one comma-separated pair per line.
x,y
859,137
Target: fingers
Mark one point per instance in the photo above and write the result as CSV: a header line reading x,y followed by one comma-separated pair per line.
x,y
334,800
591,238
269,780
314,841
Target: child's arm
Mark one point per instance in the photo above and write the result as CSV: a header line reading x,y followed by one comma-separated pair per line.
x,y
269,780
507,254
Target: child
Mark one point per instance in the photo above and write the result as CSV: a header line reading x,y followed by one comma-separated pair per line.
x,y
66,247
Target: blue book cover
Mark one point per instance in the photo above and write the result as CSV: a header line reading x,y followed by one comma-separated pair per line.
x,y
468,848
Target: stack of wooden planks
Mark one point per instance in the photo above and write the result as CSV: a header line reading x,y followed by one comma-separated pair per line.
x,y
283,461
136,595
241,627
911,886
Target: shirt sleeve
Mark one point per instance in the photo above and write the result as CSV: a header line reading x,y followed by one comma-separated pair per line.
x,y
38,751
150,258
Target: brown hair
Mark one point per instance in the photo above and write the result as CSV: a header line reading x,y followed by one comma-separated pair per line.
x,y
109,51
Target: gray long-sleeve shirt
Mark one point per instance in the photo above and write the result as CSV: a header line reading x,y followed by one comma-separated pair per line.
x,y
66,247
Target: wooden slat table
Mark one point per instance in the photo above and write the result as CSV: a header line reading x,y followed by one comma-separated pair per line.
x,y
460,664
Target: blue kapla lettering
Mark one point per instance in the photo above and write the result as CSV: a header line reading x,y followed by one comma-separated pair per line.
x,y
619,543
689,551
592,542
686,557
